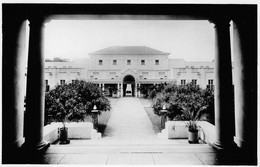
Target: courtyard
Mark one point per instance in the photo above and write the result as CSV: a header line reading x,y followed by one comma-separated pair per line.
x,y
130,139
235,138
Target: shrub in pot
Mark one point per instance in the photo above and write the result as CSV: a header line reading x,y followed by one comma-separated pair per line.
x,y
193,110
193,130
73,102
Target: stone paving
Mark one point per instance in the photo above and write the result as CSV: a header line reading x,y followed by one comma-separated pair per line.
x,y
129,121
131,141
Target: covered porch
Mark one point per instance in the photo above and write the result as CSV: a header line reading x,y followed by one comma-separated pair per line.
x,y
236,129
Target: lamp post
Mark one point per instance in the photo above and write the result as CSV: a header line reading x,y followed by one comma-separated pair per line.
x,y
164,117
95,117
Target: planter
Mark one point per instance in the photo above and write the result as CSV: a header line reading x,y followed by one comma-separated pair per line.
x,y
193,137
64,136
174,130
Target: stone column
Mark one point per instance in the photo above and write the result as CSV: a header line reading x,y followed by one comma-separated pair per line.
x,y
13,85
245,70
224,115
35,89
136,90
103,87
139,92
122,89
118,90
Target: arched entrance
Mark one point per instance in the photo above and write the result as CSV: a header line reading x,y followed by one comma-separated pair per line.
x,y
129,86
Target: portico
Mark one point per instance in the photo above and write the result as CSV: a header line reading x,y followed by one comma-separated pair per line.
x,y
240,123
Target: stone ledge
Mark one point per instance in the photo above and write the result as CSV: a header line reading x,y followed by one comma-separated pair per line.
x,y
81,130
178,130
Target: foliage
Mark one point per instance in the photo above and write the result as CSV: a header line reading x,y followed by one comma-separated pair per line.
x,y
155,89
150,91
187,102
56,59
73,101
144,89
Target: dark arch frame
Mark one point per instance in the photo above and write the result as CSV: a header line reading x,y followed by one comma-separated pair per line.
x,y
128,79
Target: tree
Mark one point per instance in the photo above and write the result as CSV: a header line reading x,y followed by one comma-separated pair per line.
x,y
73,101
56,59
186,102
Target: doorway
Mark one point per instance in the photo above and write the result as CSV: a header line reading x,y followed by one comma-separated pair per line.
x,y
129,86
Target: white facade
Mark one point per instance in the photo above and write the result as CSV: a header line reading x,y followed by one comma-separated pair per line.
x,y
136,65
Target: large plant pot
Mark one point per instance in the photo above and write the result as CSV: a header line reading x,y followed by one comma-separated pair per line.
x,y
64,136
193,137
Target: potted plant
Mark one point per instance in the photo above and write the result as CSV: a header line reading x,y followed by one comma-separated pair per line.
x,y
196,112
73,102
60,105
63,131
193,129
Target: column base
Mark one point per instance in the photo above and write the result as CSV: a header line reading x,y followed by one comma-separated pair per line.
x,y
37,148
220,146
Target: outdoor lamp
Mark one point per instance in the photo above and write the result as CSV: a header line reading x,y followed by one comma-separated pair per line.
x,y
164,108
164,116
95,117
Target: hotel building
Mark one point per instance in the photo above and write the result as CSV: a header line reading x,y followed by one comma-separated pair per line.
x,y
126,68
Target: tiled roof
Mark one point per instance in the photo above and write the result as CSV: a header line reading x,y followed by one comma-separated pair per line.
x,y
128,50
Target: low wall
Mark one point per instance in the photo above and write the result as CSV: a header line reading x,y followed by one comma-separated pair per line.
x,y
178,130
81,130
208,133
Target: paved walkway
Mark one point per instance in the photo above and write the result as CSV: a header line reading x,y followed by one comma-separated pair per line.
x,y
137,145
129,121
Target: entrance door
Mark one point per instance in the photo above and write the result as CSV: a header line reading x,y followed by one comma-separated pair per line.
x,y
129,86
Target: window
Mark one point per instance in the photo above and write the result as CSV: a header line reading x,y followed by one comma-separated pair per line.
x,y
100,62
128,62
210,84
142,62
194,81
161,73
62,82
114,62
183,82
156,62
47,87
210,81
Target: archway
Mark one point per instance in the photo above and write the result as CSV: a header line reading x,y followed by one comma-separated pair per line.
x,y
129,86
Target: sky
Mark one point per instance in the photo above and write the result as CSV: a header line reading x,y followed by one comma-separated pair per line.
x,y
74,39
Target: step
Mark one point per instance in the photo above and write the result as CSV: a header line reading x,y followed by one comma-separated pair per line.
x,y
132,148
